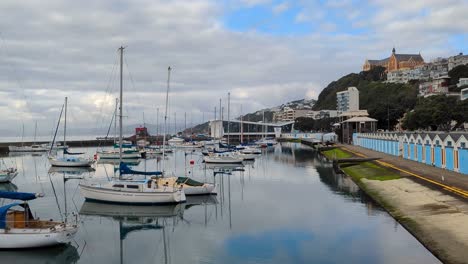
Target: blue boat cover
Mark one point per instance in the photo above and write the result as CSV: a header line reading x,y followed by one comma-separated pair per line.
x,y
222,151
221,145
65,151
124,145
3,212
18,195
124,169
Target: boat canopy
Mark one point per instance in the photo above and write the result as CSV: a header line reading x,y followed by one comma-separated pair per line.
x,y
222,151
3,212
124,169
65,151
221,145
18,195
124,145
189,181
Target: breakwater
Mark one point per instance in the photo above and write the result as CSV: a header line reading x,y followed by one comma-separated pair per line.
x,y
72,143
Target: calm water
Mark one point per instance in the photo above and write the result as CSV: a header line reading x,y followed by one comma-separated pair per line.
x,y
286,207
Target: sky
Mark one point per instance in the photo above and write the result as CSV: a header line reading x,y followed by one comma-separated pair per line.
x,y
264,52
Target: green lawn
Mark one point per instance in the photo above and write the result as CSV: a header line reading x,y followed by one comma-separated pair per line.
x,y
336,153
370,171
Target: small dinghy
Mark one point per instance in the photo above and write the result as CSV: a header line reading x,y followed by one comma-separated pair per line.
x,y
20,229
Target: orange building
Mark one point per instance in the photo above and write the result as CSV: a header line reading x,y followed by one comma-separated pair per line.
x,y
395,62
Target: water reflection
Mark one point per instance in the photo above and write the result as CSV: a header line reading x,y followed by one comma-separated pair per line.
x,y
287,206
136,219
60,254
8,187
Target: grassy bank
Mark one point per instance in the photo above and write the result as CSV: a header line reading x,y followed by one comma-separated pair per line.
x,y
357,171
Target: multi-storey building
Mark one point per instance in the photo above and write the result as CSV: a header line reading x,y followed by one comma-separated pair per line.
x,y
462,82
436,86
457,60
289,114
347,100
430,71
322,114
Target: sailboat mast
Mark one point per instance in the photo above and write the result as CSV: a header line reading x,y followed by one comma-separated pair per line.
x,y
165,116
241,126
263,120
121,101
115,119
157,123
221,131
35,132
22,135
229,123
65,125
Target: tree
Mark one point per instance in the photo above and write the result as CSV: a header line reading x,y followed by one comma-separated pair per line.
x,y
436,113
307,124
461,71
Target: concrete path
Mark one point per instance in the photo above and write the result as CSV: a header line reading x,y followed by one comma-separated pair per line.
x,y
449,180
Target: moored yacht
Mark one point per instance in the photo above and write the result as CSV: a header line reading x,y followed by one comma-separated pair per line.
x,y
20,229
146,191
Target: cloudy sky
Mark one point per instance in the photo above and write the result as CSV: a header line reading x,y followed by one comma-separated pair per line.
x,y
265,52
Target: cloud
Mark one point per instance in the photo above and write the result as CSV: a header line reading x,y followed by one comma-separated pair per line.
x,y
52,49
280,8
255,2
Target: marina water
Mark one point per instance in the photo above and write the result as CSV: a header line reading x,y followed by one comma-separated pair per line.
x,y
289,206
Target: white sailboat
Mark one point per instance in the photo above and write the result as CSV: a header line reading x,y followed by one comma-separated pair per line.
x,y
31,148
147,191
128,153
223,158
20,229
67,161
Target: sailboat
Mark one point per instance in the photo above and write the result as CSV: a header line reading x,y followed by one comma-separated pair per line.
x,y
67,161
31,148
20,229
129,151
147,191
189,186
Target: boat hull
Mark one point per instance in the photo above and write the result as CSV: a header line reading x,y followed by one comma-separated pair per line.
x,y
199,190
208,159
100,194
76,163
26,149
116,155
32,238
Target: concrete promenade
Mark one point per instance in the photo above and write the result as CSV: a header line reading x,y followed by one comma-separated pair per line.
x,y
448,180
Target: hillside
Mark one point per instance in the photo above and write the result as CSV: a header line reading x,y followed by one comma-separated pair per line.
x,y
327,98
258,115
382,100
